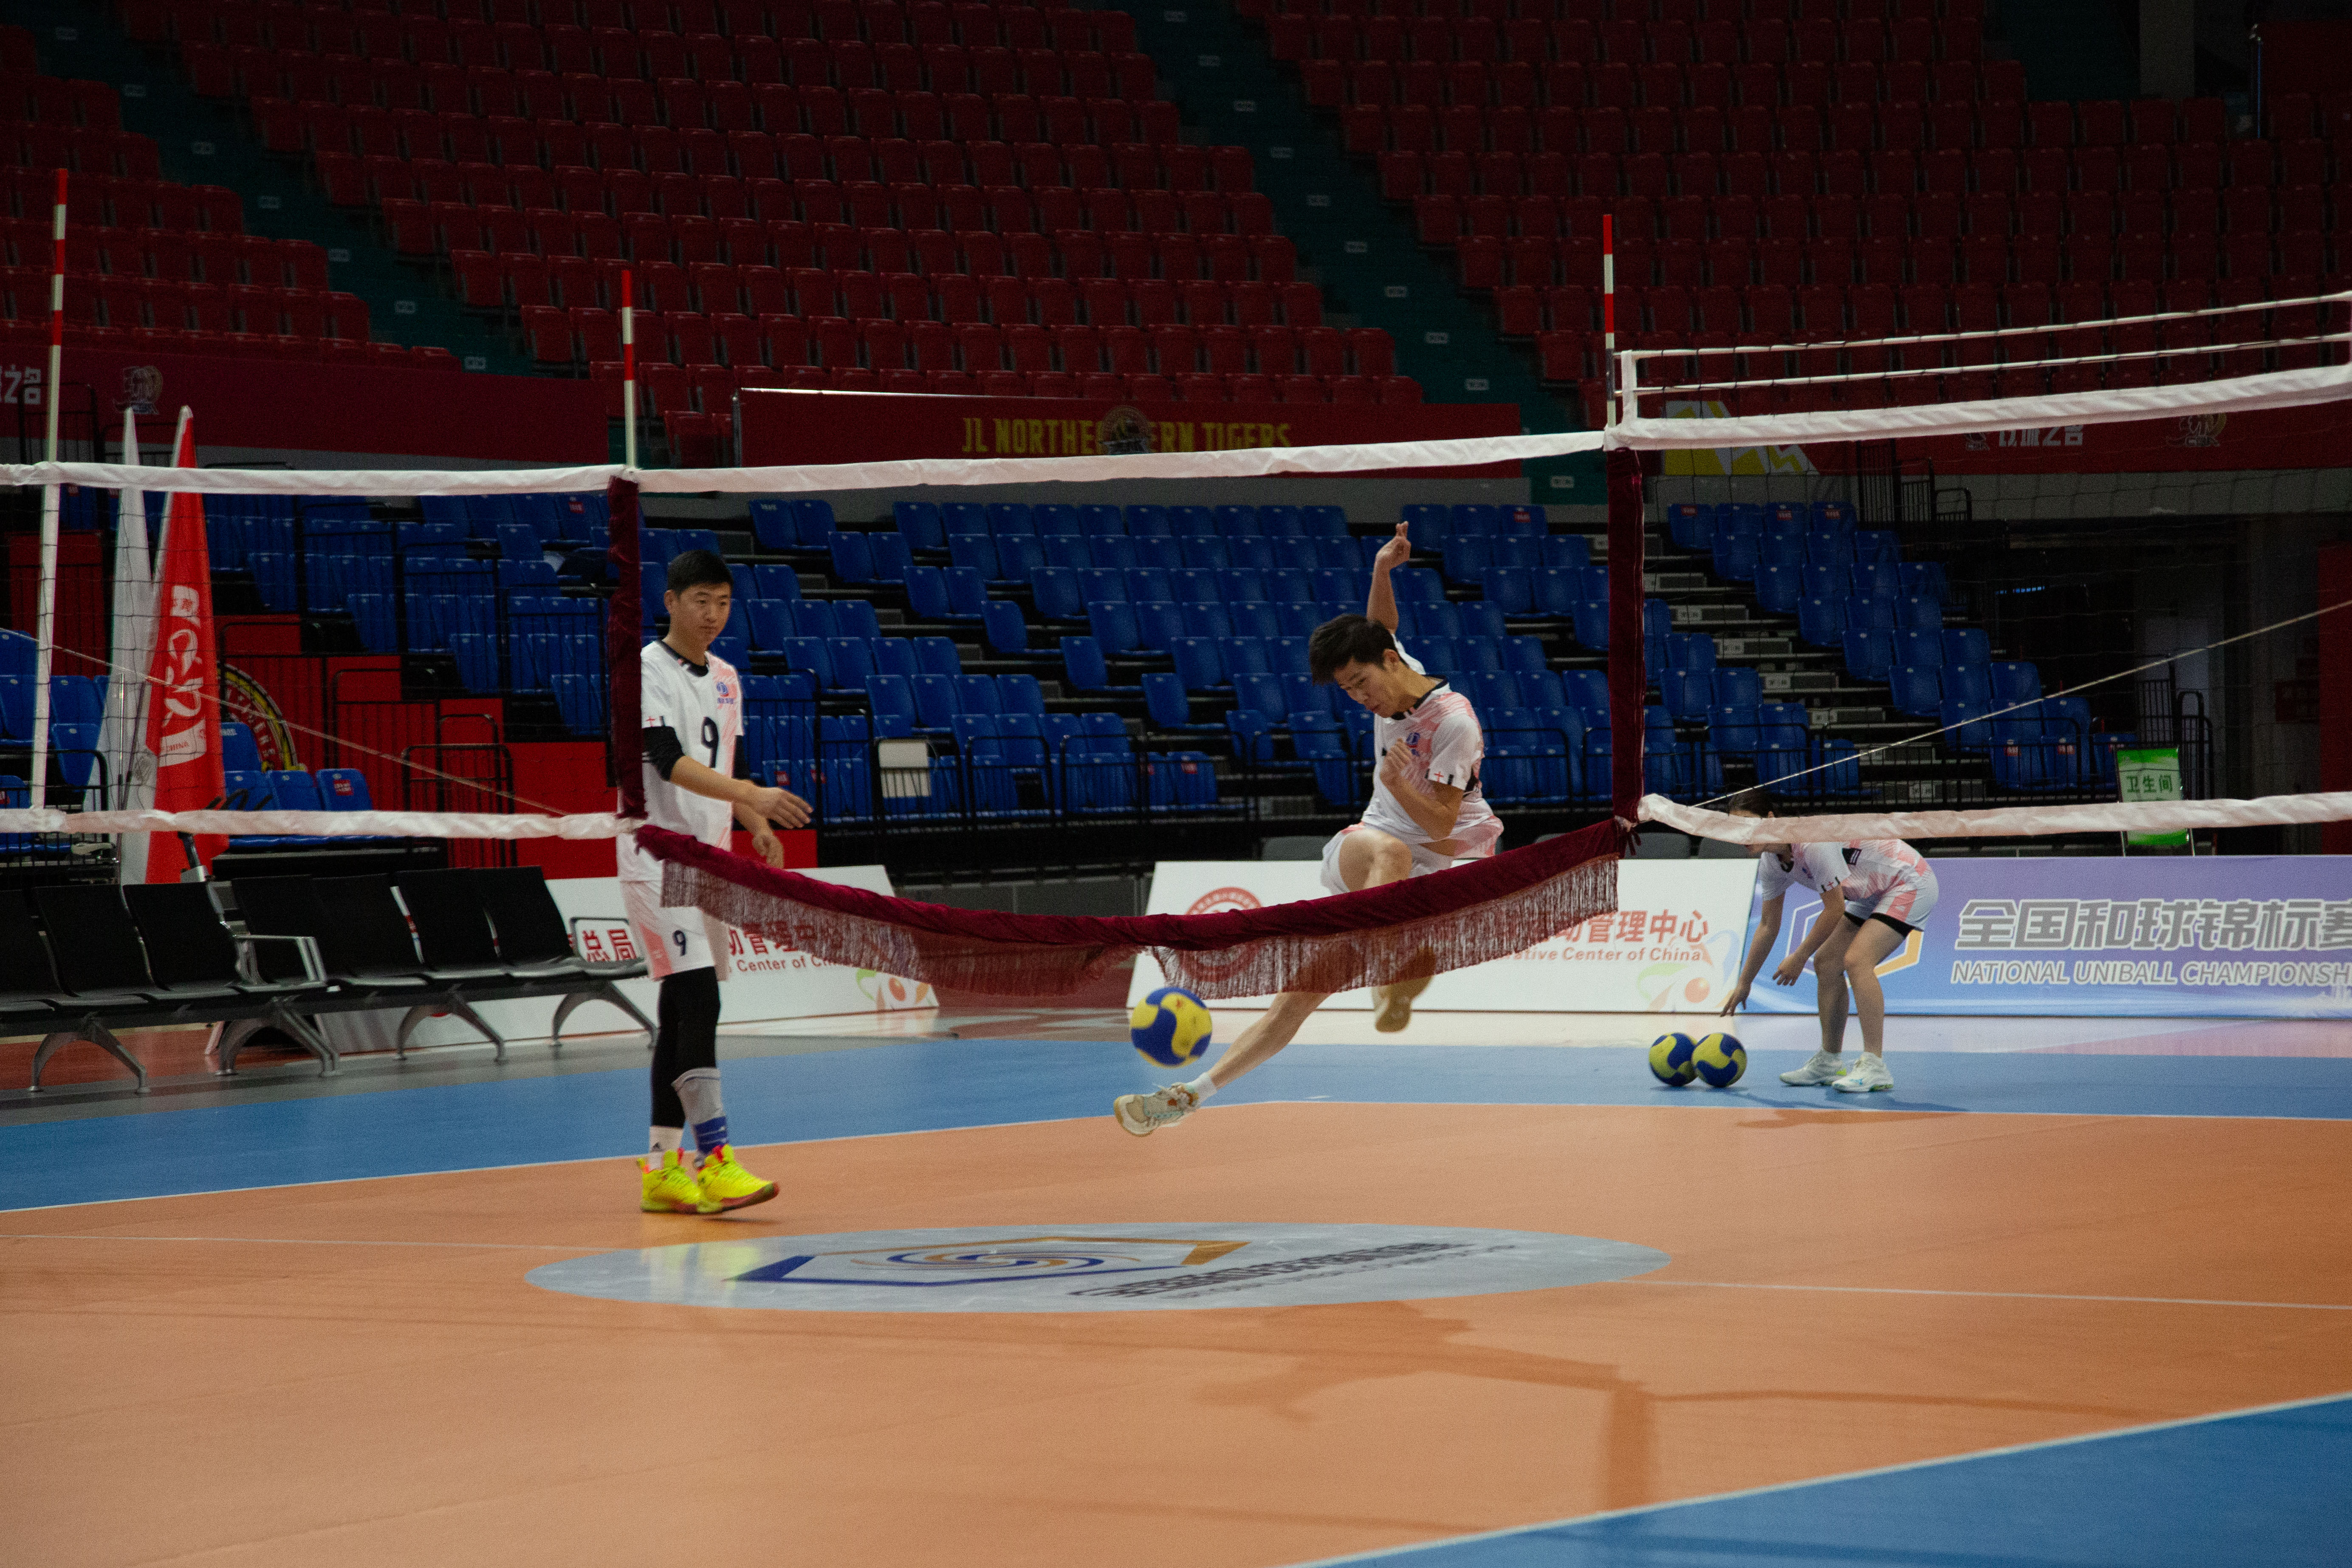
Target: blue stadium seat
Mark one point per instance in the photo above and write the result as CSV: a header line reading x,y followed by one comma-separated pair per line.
x,y
1244,656
1688,692
1197,663
1879,579
579,699
768,622
1587,690
1011,517
1926,579
1777,589
1054,591
1146,584
237,748
1101,519
1113,625
1194,584
1098,583
1915,689
809,654
938,656
937,702
1566,551
1966,645
1557,591
1017,555
814,618
1147,521
1477,517
1083,665
1280,521
1210,554
1925,650
2014,681
1510,589
1233,521
1733,729
1966,729
895,656
1916,610
1785,521
1591,622
1002,625
967,593
919,524
1691,525
1971,684
1826,581
1690,650
1868,653
892,696
1781,550
1524,654
1828,547
853,563
1324,522
1822,622
964,517
975,551
1262,693
1254,620
890,556
812,519
1860,611
1193,521
771,525
1540,688
978,694
1020,694
1165,701
1476,619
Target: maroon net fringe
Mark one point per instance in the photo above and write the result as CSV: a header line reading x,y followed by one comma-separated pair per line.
x,y
1450,920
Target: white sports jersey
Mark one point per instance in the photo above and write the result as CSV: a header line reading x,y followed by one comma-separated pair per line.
x,y
1814,866
1442,730
1887,876
705,712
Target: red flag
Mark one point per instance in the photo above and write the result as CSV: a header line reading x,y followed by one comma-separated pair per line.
x,y
183,688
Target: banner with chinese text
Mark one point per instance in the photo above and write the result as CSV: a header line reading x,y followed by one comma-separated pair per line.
x,y
2172,936
1672,945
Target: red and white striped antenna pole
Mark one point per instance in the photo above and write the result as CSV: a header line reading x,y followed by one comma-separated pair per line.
x,y
629,370
46,614
1608,318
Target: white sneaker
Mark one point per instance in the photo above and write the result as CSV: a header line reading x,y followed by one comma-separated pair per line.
x,y
1867,1074
1820,1068
1142,1114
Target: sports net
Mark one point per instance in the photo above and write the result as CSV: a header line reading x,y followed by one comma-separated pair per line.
x,y
1888,581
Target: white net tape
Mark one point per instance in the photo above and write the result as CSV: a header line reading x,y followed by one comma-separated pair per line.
x,y
2272,389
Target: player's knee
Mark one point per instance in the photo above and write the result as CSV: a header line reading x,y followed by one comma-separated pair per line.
x,y
1390,857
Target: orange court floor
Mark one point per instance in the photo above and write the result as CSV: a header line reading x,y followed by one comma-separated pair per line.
x,y
402,1317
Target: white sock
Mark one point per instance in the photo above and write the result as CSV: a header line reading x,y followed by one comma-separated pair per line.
x,y
1203,1088
665,1140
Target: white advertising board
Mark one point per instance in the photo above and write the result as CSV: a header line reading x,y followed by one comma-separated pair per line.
x,y
1673,944
767,982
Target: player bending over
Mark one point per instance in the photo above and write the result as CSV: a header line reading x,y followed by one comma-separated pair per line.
x,y
1875,893
692,714
1426,813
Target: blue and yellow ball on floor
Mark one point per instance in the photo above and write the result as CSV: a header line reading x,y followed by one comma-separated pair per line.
x,y
1716,1061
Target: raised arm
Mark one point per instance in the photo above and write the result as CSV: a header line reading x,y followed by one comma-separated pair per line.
x,y
1381,603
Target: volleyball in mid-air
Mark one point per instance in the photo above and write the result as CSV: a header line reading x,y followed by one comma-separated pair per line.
x,y
1171,1027
1721,1060
1670,1059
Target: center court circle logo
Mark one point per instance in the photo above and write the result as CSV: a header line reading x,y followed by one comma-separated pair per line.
x,y
1099,1269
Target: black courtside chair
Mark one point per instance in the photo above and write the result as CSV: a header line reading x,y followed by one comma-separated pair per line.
x,y
507,917
189,947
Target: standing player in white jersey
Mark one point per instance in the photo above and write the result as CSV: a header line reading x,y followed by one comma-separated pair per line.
x,y
692,713
1888,892
1426,813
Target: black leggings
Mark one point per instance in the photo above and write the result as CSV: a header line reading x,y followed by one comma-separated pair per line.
x,y
688,1038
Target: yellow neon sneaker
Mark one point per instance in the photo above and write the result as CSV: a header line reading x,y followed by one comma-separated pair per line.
x,y
728,1185
669,1188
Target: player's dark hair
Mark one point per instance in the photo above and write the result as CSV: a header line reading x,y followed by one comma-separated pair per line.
x,y
1344,640
697,569
1750,803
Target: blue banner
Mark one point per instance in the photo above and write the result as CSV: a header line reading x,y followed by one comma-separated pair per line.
x,y
2177,936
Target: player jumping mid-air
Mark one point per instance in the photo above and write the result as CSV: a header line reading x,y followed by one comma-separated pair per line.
x,y
1426,813
692,715
1875,893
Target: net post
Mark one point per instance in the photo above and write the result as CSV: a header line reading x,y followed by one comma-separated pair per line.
x,y
45,616
1628,682
623,621
628,374
1608,318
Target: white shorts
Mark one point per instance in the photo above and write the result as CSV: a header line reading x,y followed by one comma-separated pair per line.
x,y
676,940
1424,862
1909,897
